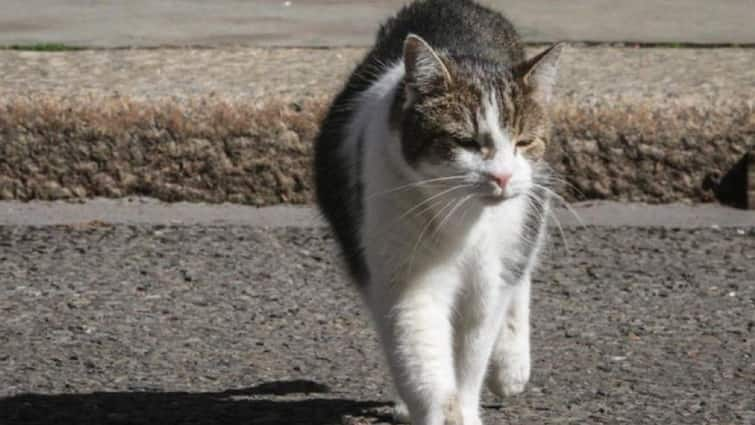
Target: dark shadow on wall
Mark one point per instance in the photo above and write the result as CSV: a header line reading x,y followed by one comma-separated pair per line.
x,y
732,188
233,407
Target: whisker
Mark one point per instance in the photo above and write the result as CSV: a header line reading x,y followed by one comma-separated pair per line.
x,y
547,175
414,184
458,204
554,217
562,201
422,233
429,207
464,213
540,212
418,208
431,198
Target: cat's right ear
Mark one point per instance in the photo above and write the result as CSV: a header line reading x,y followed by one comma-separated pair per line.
x,y
424,68
540,72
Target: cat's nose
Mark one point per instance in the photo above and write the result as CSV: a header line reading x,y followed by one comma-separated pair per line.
x,y
501,179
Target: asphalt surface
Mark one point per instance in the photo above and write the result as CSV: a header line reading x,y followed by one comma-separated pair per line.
x,y
242,324
145,23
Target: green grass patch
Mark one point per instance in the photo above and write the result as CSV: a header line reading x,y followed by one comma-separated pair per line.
x,y
44,47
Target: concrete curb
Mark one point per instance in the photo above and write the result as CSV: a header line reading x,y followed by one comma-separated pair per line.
x,y
137,210
644,125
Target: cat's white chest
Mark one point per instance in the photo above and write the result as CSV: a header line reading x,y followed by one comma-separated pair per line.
x,y
498,228
494,238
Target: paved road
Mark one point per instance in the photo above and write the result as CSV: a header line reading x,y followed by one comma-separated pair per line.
x,y
239,324
350,23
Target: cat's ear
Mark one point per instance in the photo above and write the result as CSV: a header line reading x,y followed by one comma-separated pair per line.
x,y
540,72
424,68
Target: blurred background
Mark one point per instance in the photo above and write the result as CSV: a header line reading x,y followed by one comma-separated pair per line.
x,y
353,23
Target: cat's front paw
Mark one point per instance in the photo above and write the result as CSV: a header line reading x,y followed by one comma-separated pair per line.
x,y
471,416
509,375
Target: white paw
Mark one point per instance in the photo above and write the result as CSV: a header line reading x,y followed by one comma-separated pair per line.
x,y
509,375
401,413
471,416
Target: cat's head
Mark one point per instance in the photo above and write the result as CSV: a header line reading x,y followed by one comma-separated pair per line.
x,y
461,116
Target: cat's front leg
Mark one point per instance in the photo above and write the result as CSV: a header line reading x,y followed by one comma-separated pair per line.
x,y
414,322
477,326
510,362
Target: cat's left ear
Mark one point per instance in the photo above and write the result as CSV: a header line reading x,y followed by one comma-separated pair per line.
x,y
540,73
424,68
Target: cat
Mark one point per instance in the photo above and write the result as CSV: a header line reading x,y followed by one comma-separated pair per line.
x,y
429,168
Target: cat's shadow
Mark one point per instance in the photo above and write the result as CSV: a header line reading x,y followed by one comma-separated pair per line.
x,y
261,405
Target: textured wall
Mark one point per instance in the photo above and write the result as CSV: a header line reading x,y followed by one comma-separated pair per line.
x,y
217,151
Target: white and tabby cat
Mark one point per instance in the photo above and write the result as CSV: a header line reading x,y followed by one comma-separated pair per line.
x,y
429,168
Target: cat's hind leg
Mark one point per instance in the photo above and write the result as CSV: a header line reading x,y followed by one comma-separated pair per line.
x,y
510,362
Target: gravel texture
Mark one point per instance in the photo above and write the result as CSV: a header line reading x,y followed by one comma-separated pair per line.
x,y
204,325
237,124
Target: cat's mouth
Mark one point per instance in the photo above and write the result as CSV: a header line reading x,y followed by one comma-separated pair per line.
x,y
498,199
495,195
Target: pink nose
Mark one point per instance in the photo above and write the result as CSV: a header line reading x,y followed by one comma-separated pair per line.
x,y
501,179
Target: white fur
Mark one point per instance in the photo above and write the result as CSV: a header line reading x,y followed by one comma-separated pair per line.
x,y
435,263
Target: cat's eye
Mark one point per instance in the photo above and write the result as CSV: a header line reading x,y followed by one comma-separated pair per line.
x,y
468,143
523,143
